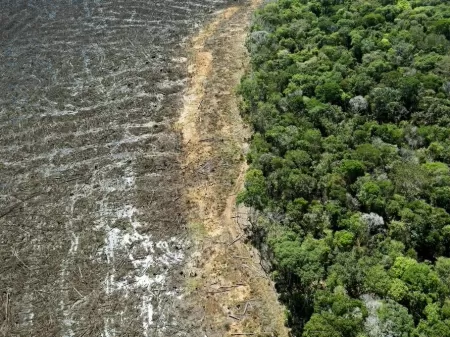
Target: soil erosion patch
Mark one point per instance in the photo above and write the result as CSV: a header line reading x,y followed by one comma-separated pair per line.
x,y
227,286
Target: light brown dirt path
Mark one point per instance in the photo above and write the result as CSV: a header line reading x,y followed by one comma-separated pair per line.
x,y
228,290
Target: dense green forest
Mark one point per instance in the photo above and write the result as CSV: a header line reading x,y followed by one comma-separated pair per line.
x,y
349,163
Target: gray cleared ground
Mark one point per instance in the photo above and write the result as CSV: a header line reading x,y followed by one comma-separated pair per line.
x,y
92,233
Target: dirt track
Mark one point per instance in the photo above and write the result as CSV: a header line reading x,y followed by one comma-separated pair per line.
x,y
224,273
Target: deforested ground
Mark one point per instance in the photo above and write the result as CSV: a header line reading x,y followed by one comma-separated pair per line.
x,y
95,227
91,218
227,288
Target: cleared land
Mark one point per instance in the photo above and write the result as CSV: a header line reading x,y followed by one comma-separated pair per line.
x,y
91,210
229,292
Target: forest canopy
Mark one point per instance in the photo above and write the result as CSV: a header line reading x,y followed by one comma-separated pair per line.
x,y
349,163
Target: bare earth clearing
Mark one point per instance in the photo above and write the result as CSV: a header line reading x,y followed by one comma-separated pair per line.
x,y
112,223
226,276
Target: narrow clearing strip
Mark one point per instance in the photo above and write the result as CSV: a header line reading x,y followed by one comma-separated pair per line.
x,y
226,285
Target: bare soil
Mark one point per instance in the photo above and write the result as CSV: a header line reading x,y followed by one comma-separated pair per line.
x,y
230,292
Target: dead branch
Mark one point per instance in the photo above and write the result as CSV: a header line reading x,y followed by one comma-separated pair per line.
x,y
18,258
235,240
245,309
233,286
241,257
234,317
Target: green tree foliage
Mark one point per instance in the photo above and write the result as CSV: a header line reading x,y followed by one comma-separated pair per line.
x,y
329,92
352,169
394,320
336,314
255,190
349,163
